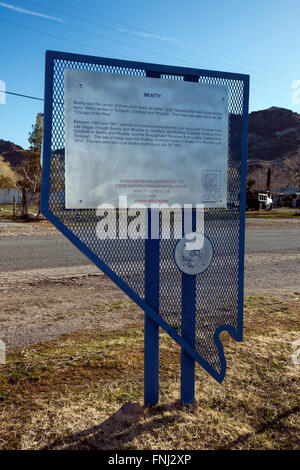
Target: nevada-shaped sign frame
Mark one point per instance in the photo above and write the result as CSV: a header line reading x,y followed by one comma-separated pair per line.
x,y
203,305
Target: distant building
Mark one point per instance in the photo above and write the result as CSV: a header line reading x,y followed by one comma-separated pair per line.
x,y
287,196
10,196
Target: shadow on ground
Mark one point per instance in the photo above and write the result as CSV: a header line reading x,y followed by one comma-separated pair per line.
x,y
260,430
113,435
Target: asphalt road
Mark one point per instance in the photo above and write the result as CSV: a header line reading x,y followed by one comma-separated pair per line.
x,y
273,241
54,251
37,265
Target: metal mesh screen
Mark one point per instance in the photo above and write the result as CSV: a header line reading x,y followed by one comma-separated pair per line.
x,y
217,289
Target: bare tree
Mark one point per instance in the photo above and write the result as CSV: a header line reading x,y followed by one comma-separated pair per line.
x,y
30,169
30,180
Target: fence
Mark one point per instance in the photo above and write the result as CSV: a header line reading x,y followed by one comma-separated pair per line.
x,y
7,196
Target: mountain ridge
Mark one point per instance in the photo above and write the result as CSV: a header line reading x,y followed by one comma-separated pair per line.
x,y
11,153
273,143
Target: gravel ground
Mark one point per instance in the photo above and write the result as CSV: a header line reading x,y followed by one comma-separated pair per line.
x,y
44,280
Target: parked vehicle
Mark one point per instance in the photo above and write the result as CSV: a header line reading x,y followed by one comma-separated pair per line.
x,y
258,201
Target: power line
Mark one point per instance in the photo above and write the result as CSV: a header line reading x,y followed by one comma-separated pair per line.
x,y
129,45
88,46
93,13
23,96
92,47
42,99
116,40
138,47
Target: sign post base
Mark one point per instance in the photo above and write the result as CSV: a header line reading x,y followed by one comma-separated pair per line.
x,y
151,353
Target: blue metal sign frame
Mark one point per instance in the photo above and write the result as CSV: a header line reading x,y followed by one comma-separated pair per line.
x,y
65,220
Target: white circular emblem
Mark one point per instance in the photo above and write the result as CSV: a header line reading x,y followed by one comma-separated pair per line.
x,y
191,261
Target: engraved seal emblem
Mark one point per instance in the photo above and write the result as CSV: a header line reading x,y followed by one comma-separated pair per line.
x,y
193,262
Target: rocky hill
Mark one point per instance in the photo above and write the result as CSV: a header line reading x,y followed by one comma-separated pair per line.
x,y
11,153
274,142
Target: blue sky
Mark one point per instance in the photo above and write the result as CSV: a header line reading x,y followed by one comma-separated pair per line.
x,y
258,37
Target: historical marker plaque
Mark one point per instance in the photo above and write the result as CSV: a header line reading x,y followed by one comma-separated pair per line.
x,y
114,128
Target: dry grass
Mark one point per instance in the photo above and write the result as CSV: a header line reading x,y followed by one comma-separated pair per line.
x,y
273,214
6,211
63,394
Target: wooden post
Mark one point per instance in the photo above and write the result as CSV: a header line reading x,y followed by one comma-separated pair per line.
x,y
14,207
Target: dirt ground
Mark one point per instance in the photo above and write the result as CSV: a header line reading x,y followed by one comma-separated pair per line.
x,y
67,393
46,309
44,303
75,355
